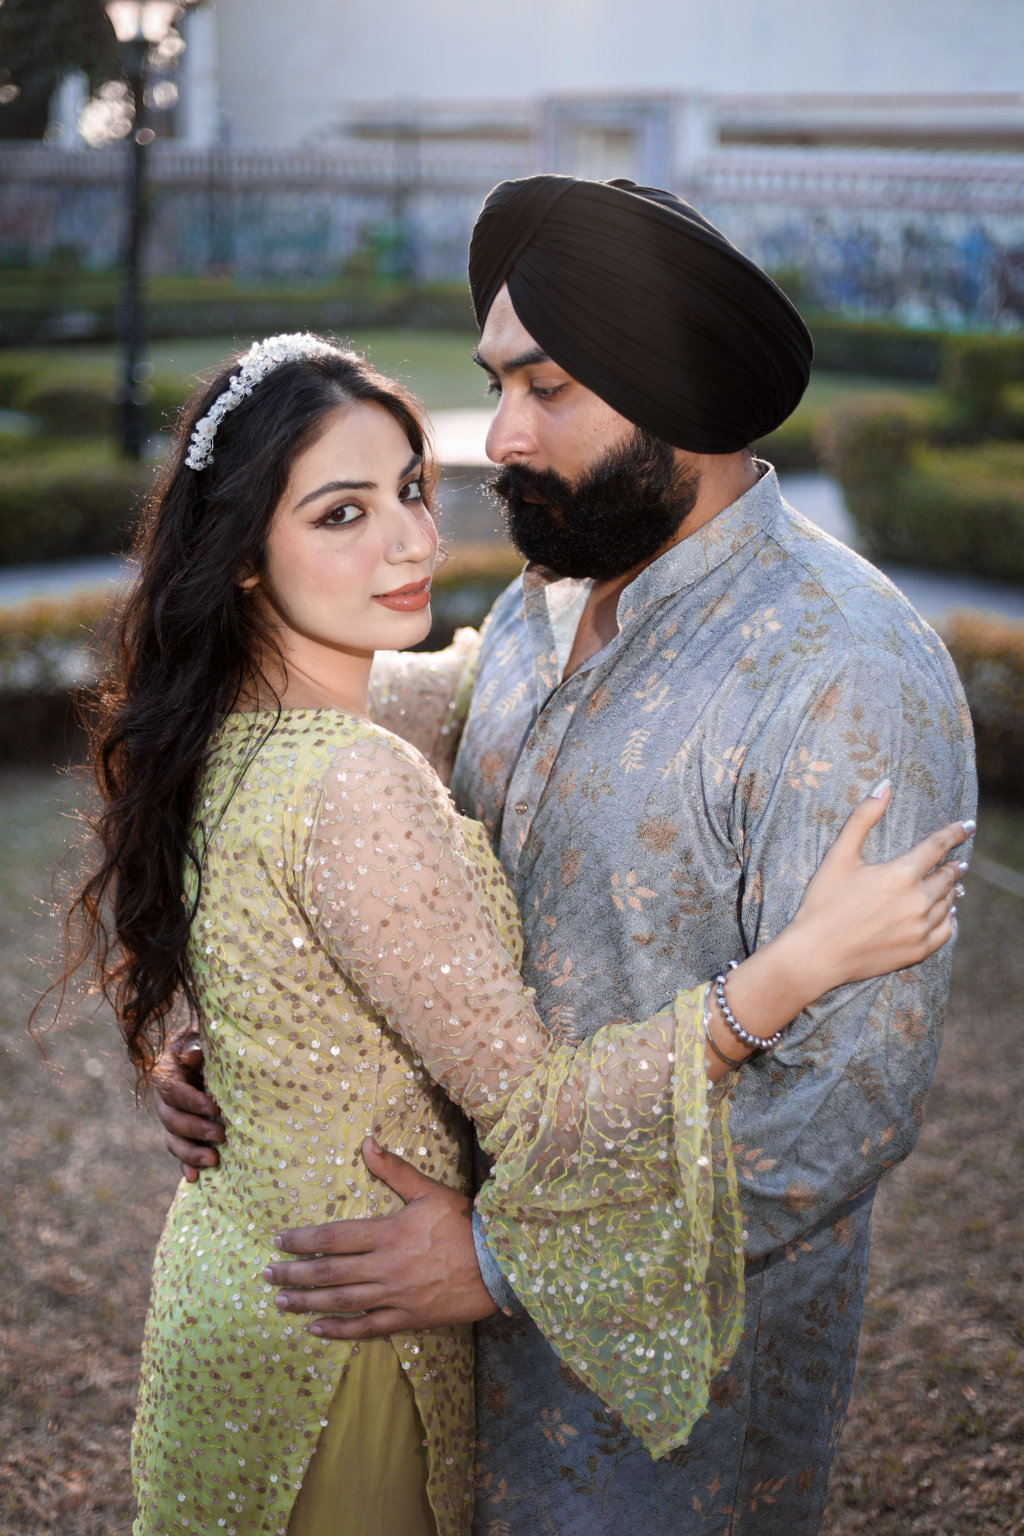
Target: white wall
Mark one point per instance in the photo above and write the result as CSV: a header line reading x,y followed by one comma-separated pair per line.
x,y
288,71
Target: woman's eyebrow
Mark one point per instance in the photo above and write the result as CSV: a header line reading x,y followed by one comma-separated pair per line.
x,y
333,486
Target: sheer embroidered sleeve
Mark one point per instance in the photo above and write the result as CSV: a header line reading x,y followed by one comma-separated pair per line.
x,y
423,696
611,1204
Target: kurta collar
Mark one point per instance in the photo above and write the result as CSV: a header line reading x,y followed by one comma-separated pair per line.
x,y
553,603
694,558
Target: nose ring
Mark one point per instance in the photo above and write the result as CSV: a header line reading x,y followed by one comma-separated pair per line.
x,y
399,548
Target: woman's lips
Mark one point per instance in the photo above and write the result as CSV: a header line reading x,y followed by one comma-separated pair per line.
x,y
406,599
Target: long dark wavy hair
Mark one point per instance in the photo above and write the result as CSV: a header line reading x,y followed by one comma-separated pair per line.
x,y
189,645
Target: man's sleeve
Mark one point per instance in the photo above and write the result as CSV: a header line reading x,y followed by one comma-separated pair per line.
x,y
493,1277
842,1099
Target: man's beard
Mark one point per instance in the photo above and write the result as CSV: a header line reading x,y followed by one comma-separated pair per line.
x,y
618,516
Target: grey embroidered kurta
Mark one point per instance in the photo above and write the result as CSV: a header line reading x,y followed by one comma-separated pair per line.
x,y
659,813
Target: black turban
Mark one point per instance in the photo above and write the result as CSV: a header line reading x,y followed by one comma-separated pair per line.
x,y
637,296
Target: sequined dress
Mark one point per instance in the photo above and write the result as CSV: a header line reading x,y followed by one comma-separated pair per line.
x,y
356,954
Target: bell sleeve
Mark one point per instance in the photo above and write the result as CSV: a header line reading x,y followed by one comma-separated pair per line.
x,y
612,1204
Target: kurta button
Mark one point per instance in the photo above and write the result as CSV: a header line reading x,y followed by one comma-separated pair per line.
x,y
521,808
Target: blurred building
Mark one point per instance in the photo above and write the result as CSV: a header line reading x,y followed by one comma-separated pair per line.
x,y
873,151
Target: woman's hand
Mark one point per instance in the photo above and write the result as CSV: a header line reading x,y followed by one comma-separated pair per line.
x,y
856,920
869,919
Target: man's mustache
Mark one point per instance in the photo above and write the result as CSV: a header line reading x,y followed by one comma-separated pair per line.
x,y
539,487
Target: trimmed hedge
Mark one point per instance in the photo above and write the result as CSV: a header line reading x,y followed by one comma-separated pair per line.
x,y
87,406
793,446
45,651
78,501
882,350
15,373
959,509
37,304
44,644
203,308
989,656
976,371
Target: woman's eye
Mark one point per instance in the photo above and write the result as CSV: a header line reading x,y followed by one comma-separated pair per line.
x,y
339,517
413,491
493,388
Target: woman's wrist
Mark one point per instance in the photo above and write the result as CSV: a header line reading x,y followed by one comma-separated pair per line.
x,y
804,967
765,993
777,982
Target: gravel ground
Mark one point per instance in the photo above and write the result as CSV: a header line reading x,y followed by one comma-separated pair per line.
x,y
935,1439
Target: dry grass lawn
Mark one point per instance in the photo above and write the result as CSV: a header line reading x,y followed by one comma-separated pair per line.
x,y
935,1439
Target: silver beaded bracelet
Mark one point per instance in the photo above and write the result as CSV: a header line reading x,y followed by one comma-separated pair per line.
x,y
730,1061
755,1042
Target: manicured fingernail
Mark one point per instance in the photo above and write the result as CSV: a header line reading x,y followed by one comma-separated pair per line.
x,y
316,1328
879,790
268,1273
969,827
278,1243
963,866
281,1300
374,1143
952,911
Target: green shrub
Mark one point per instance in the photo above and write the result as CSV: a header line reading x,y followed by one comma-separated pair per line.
x,y
1013,412
48,648
87,405
866,444
975,373
875,347
793,446
73,501
68,408
959,509
15,373
989,656
16,447
45,655
180,307
885,350
44,644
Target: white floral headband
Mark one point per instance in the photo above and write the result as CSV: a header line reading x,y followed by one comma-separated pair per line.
x,y
262,358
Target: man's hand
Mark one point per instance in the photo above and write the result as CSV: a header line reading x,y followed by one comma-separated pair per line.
x,y
190,1118
416,1268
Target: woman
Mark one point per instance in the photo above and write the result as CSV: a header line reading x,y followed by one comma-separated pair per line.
x,y
350,949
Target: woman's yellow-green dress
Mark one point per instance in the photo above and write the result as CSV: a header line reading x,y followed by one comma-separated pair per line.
x,y
355,950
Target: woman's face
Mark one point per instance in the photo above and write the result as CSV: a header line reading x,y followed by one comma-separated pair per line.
x,y
351,548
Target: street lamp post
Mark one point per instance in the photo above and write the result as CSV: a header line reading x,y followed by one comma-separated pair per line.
x,y
138,24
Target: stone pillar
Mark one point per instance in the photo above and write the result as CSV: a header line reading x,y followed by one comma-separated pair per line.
x,y
199,113
694,137
65,104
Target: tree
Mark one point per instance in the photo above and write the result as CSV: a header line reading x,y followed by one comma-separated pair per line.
x,y
40,41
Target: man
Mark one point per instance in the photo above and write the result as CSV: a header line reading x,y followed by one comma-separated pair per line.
x,y
673,711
